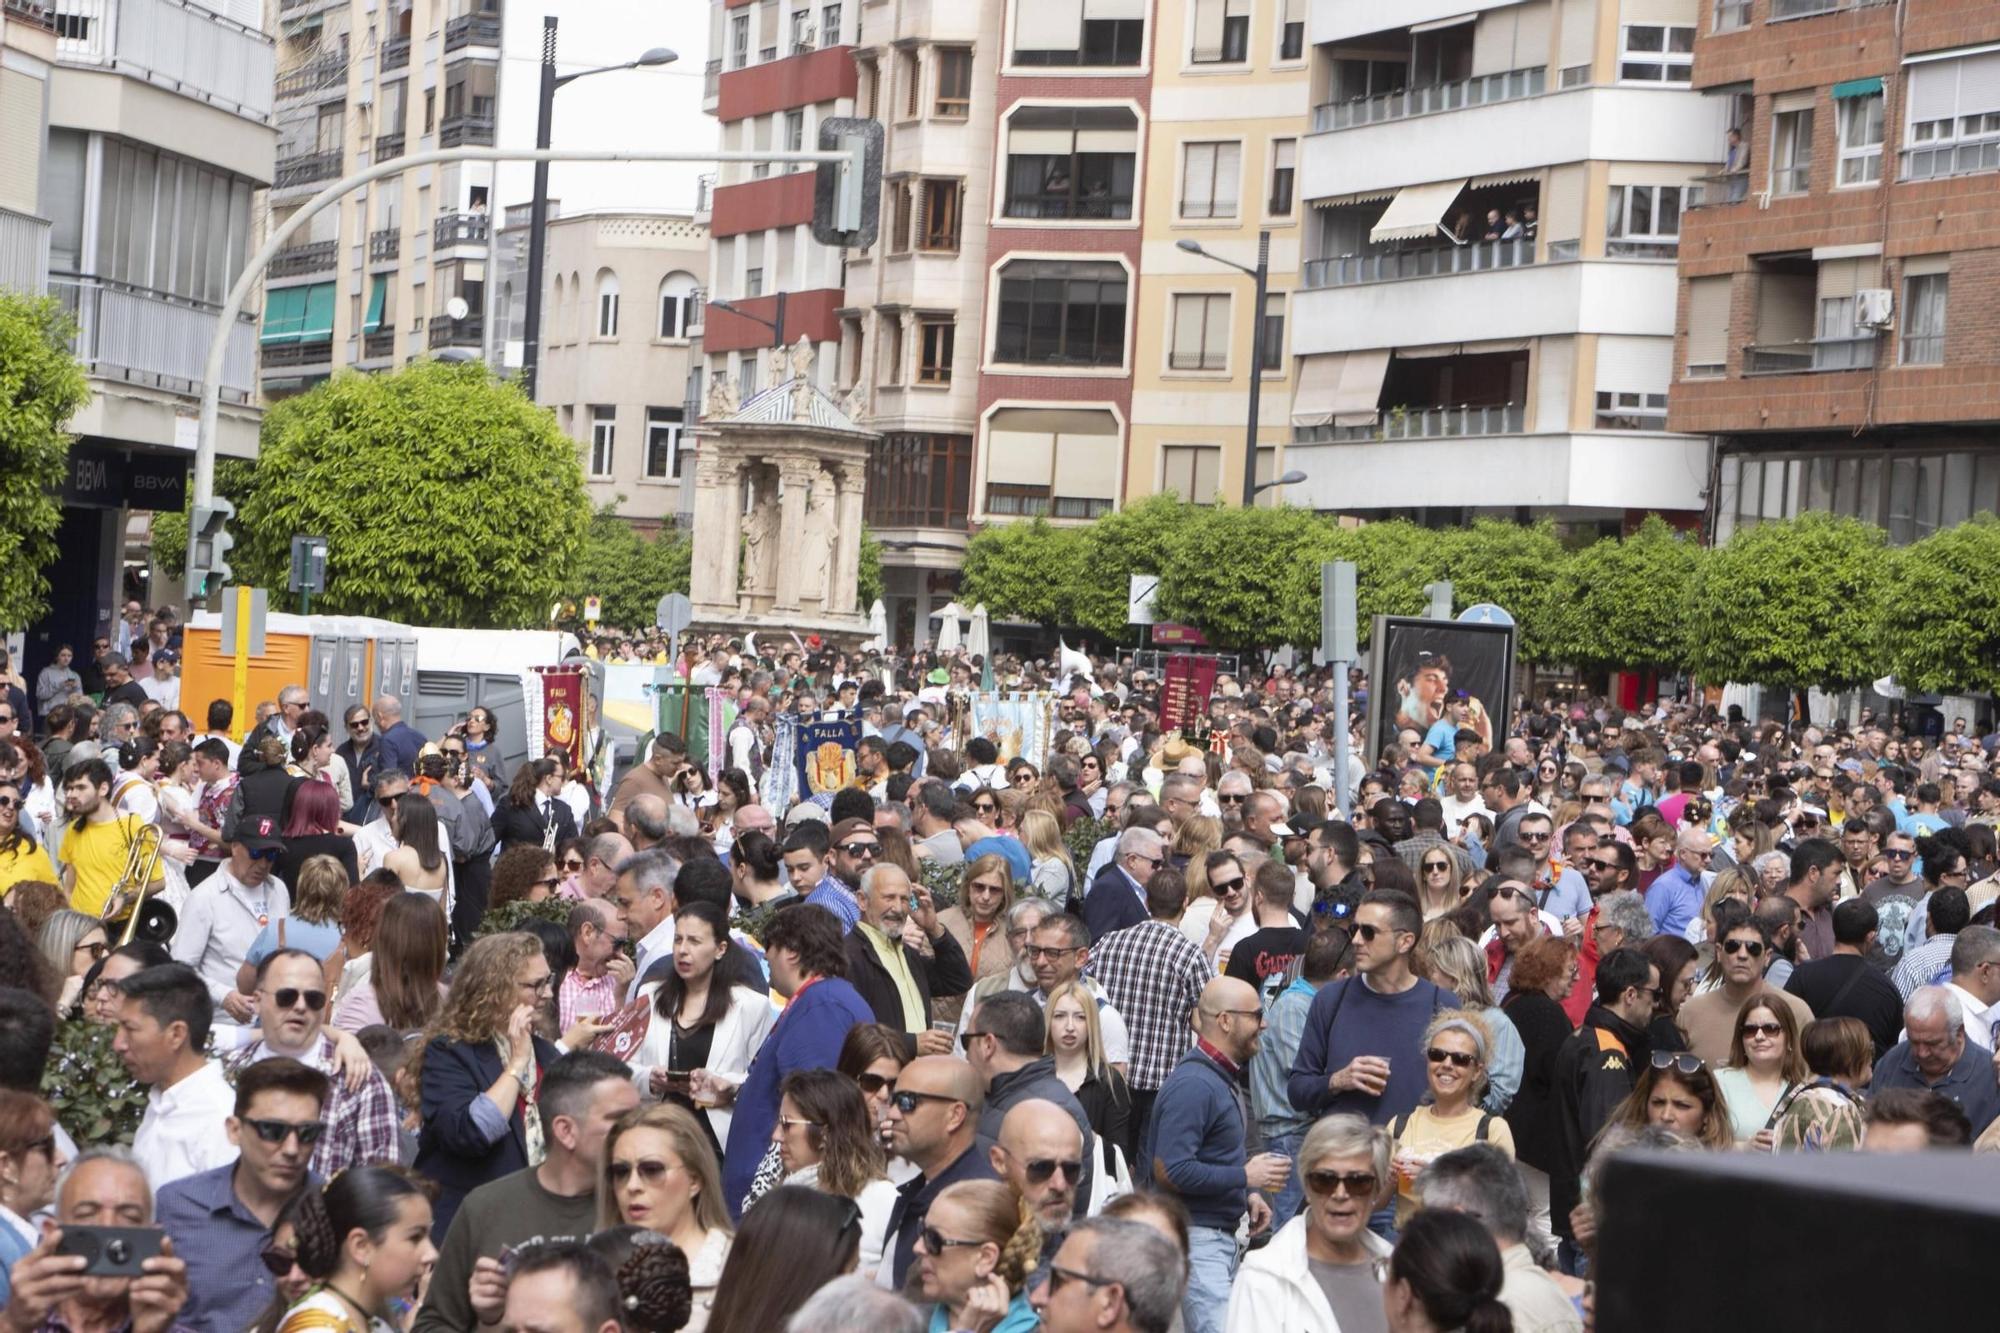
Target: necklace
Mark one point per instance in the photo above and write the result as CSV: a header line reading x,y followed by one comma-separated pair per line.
x,y
367,1321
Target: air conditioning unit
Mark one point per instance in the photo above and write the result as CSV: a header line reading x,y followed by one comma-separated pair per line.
x,y
1874,307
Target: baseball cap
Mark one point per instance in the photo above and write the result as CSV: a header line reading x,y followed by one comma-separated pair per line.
x,y
259,833
847,828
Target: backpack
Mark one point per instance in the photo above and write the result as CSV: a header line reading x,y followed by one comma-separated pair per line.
x,y
1402,1122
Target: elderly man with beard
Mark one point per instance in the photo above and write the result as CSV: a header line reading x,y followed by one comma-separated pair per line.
x,y
892,977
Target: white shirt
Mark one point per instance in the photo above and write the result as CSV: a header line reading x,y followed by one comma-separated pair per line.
x,y
1456,812
182,1132
658,944
165,693
372,842
233,748
221,922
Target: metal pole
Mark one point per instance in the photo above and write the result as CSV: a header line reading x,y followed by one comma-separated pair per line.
x,y
1256,369
778,324
1342,790
538,216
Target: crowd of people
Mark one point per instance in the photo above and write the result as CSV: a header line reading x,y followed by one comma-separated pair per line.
x,y
1139,1033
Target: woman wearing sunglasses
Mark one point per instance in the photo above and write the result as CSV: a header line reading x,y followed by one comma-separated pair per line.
x,y
1322,1272
978,921
973,1257
30,1164
72,942
1765,1068
826,1143
1440,884
280,1257
873,1056
1455,1051
1677,1092
659,1173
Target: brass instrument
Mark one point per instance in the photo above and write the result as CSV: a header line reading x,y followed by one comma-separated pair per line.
x,y
153,921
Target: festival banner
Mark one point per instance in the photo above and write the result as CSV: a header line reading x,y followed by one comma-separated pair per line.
x,y
1019,724
826,758
1184,696
564,724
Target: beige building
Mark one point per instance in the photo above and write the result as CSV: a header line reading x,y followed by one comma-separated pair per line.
x,y
619,333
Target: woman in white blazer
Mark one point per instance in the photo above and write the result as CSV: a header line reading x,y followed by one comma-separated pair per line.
x,y
703,1030
1346,1166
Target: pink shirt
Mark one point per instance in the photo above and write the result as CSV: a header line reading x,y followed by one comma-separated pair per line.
x,y
585,998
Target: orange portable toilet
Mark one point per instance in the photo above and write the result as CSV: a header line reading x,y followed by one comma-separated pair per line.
x,y
340,660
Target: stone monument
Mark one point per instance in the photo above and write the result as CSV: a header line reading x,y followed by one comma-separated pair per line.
x,y
779,480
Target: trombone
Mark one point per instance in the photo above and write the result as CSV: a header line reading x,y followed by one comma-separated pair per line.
x,y
142,867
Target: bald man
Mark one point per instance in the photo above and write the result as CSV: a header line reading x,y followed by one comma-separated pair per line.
x,y
396,739
646,821
1040,1153
1676,897
933,1123
1199,1142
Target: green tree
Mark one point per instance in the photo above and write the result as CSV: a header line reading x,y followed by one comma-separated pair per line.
x,y
1512,565
1139,539
1394,561
626,571
1024,571
1618,604
41,387
446,496
1794,603
1941,610
233,479
1228,569
868,579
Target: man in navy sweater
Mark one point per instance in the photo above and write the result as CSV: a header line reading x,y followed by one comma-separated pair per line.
x,y
1200,1142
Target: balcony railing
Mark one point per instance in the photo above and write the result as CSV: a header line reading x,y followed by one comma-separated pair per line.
x,y
305,170
315,77
1424,423
1642,249
467,332
384,244
299,261
379,345
711,79
148,337
185,48
461,229
472,30
1816,355
1397,265
1484,90
31,11
1069,208
1803,9
458,131
317,353
1955,159
388,147
395,54
1728,187
24,252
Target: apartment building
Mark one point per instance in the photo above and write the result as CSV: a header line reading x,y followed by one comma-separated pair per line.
x,y
27,60
1838,281
1484,320
1229,106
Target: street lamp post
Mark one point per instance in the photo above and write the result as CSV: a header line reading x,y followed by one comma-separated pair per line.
x,y
776,325
538,207
1262,274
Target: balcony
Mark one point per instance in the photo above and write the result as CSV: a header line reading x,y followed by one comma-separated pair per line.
x,y
711,81
183,48
388,147
1424,423
30,11
1635,470
378,346
395,54
318,76
453,229
306,170
463,131
318,353
1484,90
1935,162
467,332
384,244
1805,9
1010,501
1728,187
1800,358
1431,262
146,337
24,252
300,261
472,30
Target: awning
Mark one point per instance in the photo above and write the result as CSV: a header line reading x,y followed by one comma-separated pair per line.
x,y
378,297
1435,24
1505,178
1347,200
317,322
1858,87
1416,211
1340,388
284,309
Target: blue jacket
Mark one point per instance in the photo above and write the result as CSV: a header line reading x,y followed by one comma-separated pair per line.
x,y
1196,1143
808,1035
1112,903
454,1148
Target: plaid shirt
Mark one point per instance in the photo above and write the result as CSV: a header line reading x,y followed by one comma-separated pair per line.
x,y
361,1126
1153,976
214,799
580,996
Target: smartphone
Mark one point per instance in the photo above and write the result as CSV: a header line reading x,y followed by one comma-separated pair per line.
x,y
111,1251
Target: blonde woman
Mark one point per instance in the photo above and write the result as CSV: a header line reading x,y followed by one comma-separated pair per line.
x,y
660,1173
978,1246
1199,836
1053,874
1456,964
1734,882
313,924
1076,1040
1455,1050
978,921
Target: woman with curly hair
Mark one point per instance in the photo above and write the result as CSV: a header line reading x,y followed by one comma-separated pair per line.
x,y
366,1240
480,1069
1677,1092
978,1245
524,873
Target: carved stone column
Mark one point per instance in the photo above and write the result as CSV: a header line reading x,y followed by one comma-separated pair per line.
x,y
717,523
797,475
847,563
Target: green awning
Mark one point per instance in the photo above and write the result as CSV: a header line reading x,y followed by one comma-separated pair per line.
x,y
317,322
283,311
1858,87
378,297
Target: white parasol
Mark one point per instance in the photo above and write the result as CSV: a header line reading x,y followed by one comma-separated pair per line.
x,y
948,630
979,642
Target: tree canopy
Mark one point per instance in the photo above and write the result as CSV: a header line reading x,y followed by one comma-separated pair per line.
x,y
1795,602
1941,609
41,387
1621,603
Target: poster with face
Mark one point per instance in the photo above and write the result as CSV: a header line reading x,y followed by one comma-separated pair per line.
x,y
1431,671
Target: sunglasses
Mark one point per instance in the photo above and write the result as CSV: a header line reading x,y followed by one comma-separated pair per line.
x,y
290,996
1039,951
1684,1061
1535,837
1227,885
277,1131
1897,854
1041,1168
651,1170
9,803
1436,866
270,854
1754,948
6,717
1368,934
872,1084
1763,1029
572,866
868,849
1230,799
1356,1184
984,807
548,883
278,1261
906,1099
1459,1059
1059,1276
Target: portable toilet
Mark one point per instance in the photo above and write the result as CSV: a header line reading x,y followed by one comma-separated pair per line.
x,y
341,661
458,669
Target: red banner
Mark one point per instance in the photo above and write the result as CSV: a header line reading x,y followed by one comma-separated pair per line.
x,y
564,724
1184,697
1181,636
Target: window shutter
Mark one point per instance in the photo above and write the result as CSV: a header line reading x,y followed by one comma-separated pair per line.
x,y
1933,90
1048,25
1018,457
1979,84
1207,474
767,23
1228,179
1578,36
1086,465
922,208
1708,321
1187,331
1215,332
1295,11
1634,365
1208,16
1198,180
1112,9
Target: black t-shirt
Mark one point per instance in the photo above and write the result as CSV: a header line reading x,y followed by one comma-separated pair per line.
x,y
1872,997
1264,956
131,692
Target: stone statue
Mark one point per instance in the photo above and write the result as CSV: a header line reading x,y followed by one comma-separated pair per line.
x,y
721,400
855,405
760,544
802,392
781,368
822,538
802,357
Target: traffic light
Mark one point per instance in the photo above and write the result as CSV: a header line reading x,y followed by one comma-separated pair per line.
x,y
847,196
208,547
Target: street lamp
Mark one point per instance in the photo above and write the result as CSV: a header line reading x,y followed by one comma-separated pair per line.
x,y
538,208
1262,273
776,326
1292,478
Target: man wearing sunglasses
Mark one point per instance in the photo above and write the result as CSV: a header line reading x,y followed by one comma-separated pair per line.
x,y
221,1219
1040,1153
1675,898
1110,1276
1117,897
224,914
360,1117
1744,951
933,1123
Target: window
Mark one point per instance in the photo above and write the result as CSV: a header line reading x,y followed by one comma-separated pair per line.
x,y
1191,471
1210,179
919,481
954,83
607,305
1708,327
677,298
870,79
910,73
802,31
1923,319
1062,463
1654,53
937,333
899,217
603,439
1200,332
760,142
939,209
892,349
753,281
1631,411
663,443
1071,162
767,30
1791,151
1953,110
1093,32
1221,32
1274,331
795,137
1292,31
1731,15
1860,140
430,110
1061,313
1643,222
829,25
1284,177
